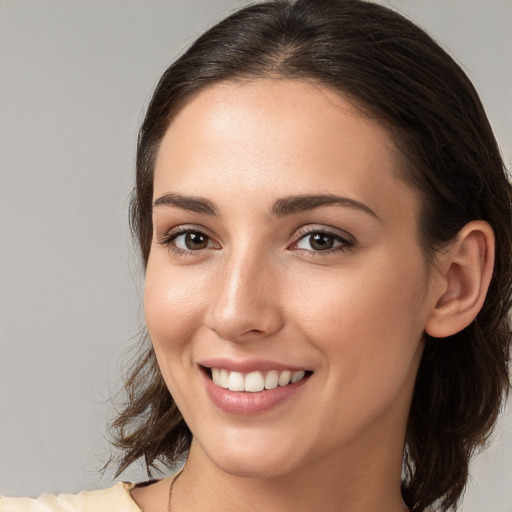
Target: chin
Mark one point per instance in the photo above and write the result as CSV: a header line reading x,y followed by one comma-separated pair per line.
x,y
249,460
253,469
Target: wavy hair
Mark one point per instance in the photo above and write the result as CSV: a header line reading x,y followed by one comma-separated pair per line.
x,y
399,75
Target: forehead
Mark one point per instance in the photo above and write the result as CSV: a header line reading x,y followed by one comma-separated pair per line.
x,y
278,137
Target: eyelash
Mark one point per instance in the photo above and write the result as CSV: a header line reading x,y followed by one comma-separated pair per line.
x,y
345,243
168,238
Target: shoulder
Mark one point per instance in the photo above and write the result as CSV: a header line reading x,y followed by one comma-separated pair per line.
x,y
116,498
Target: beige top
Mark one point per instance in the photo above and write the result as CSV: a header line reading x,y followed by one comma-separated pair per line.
x,y
113,499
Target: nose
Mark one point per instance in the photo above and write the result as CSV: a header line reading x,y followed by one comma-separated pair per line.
x,y
245,304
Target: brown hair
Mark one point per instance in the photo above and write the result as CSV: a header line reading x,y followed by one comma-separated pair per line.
x,y
399,75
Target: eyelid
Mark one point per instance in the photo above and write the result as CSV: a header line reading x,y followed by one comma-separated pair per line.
x,y
171,234
347,240
183,228
322,228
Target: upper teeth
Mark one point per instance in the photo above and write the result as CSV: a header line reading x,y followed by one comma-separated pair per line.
x,y
254,381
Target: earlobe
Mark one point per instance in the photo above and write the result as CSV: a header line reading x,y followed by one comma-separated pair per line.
x,y
465,271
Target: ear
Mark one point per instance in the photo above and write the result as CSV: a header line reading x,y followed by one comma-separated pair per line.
x,y
462,281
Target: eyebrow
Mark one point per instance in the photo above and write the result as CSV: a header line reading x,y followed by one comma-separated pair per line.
x,y
282,207
190,203
296,204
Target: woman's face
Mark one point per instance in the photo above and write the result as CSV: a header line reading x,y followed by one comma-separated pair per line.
x,y
284,245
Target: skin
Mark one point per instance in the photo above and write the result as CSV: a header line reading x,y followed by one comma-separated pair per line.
x,y
259,289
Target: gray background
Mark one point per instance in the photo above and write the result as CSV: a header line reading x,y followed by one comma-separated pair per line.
x,y
74,79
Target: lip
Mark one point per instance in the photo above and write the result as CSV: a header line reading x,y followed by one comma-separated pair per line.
x,y
247,366
245,403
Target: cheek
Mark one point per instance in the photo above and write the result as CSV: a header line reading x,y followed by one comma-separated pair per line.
x,y
366,318
172,303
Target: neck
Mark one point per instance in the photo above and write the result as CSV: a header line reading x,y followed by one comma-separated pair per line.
x,y
361,474
358,480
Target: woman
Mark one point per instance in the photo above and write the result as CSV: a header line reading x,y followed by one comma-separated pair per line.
x,y
325,222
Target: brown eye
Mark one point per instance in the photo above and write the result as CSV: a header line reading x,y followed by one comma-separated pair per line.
x,y
195,241
321,241
191,241
318,241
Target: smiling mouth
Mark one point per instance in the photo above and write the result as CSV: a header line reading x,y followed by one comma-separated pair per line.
x,y
256,381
